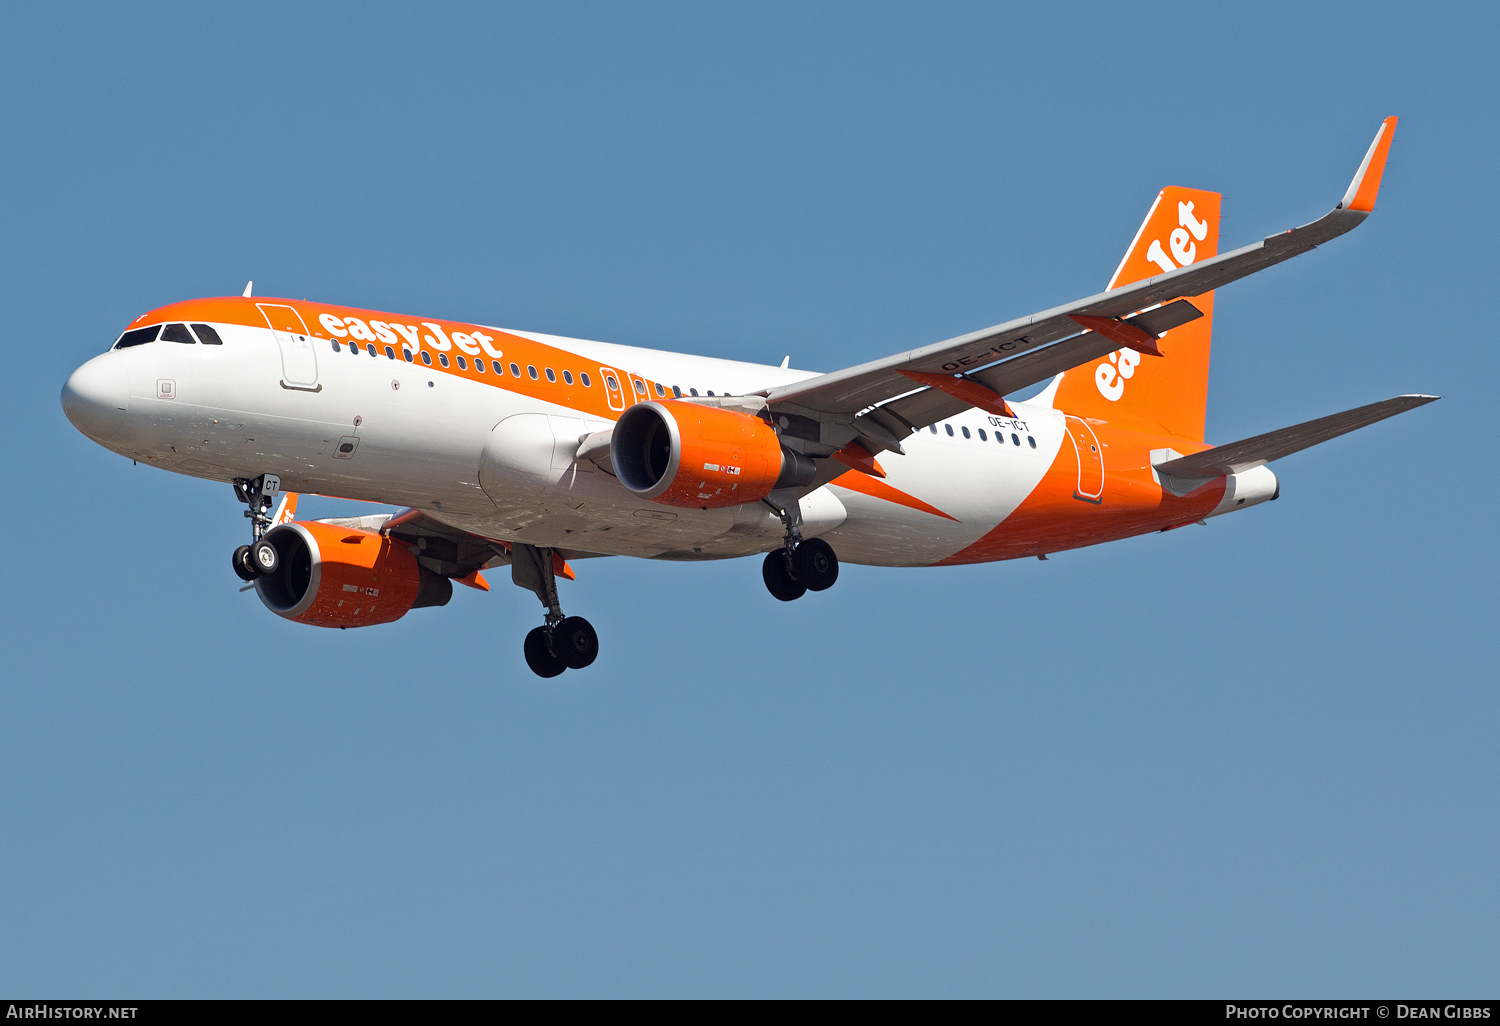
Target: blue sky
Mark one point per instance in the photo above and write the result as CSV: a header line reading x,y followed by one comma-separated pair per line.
x,y
1252,758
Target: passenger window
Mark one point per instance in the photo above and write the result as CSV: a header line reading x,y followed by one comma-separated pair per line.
x,y
567,377
1014,439
354,348
660,392
1031,441
336,347
585,379
443,359
178,333
676,392
531,371
515,371
390,354
406,354
949,429
370,348
426,358
551,375
932,428
479,366
207,335
640,387
710,391
694,391
965,431
462,363
138,337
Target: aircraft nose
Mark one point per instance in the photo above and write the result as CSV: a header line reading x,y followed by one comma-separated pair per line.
x,y
96,397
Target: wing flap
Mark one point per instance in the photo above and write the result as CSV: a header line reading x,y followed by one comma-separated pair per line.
x,y
1041,364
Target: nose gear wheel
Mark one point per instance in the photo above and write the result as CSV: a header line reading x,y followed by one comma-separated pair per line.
x,y
241,562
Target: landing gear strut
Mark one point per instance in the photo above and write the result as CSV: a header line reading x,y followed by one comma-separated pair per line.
x,y
562,642
799,566
260,557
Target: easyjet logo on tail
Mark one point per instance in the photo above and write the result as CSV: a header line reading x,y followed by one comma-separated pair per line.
x,y
1110,377
1181,227
1184,249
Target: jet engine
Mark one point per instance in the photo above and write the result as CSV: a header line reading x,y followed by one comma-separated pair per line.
x,y
702,457
332,576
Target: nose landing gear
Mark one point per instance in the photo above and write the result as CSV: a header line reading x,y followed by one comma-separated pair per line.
x,y
562,642
260,557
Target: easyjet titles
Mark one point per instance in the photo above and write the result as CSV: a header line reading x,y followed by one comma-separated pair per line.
x,y
411,336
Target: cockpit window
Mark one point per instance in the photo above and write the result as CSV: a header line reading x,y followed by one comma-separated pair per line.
x,y
207,335
178,333
138,337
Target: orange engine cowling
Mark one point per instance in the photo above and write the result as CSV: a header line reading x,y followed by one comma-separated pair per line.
x,y
343,577
701,457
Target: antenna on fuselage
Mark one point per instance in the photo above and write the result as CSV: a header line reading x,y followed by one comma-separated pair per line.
x,y
248,285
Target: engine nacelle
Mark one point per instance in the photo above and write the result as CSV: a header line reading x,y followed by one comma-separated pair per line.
x,y
343,577
701,457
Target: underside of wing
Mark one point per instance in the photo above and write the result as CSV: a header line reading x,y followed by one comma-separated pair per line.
x,y
440,547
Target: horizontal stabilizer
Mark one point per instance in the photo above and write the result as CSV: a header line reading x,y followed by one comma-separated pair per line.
x,y
1238,457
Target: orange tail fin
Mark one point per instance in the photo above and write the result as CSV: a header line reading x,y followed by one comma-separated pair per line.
x,y
1168,393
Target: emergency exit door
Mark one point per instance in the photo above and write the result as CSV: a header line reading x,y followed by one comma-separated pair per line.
x,y
612,388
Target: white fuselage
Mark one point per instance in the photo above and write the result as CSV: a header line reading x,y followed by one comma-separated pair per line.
x,y
499,463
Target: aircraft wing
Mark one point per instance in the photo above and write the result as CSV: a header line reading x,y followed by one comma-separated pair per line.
x,y
1029,349
448,550
1238,457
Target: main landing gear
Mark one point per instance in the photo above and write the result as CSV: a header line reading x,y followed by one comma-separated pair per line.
x,y
259,558
800,565
811,566
562,642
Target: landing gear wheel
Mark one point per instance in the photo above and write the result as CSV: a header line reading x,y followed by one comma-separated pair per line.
x,y
541,660
815,564
241,560
576,642
778,582
264,558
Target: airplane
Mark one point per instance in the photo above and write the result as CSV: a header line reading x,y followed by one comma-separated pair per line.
x,y
515,448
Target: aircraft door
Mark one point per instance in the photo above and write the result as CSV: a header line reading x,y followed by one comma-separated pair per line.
x,y
1090,487
299,361
612,389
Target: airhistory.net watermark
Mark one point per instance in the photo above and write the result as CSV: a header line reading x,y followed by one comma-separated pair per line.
x,y
44,1010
